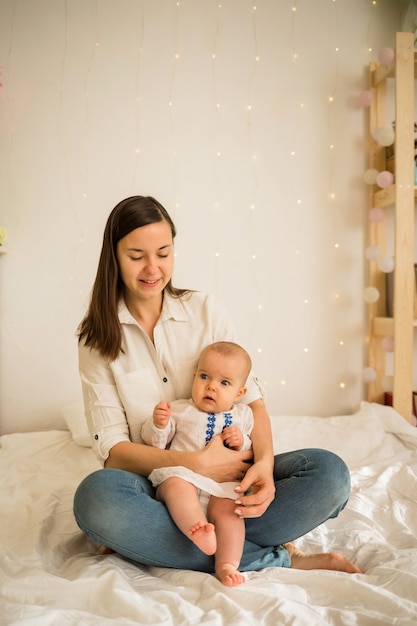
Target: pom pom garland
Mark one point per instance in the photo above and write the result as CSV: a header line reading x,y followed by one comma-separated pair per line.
x,y
376,214
386,56
369,374
373,253
371,295
384,135
365,98
388,344
384,179
386,264
370,176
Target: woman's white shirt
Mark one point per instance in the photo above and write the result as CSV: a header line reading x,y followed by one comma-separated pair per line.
x,y
120,395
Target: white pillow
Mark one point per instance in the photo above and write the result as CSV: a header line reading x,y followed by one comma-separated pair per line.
x,y
74,417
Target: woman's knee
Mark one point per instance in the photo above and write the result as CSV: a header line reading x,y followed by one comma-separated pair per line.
x,y
326,472
335,469
100,495
334,476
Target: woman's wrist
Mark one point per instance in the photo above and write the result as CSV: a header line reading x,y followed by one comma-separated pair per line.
x,y
197,462
266,460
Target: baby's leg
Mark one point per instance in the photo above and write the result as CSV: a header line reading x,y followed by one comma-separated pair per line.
x,y
181,499
230,533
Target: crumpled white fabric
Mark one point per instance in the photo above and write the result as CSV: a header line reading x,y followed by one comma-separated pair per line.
x,y
50,573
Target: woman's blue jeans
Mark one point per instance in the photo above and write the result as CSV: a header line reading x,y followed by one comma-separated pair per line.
x,y
118,509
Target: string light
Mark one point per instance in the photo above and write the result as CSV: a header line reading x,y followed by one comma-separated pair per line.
x,y
255,154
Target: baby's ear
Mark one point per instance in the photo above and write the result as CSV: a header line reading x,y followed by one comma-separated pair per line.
x,y
241,392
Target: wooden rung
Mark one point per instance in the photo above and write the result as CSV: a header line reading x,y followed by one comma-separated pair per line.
x,y
415,292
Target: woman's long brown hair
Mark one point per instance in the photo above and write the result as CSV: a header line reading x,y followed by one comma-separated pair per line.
x,y
100,329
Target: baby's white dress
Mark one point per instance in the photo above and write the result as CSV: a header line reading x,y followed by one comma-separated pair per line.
x,y
191,429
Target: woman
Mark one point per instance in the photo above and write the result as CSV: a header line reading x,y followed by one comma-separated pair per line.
x,y
139,343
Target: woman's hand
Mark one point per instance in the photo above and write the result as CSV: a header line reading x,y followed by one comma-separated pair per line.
x,y
215,461
220,463
260,480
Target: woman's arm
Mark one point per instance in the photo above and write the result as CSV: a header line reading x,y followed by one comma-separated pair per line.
x,y
260,475
215,461
262,435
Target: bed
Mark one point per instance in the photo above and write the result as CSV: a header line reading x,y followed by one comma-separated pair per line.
x,y
50,573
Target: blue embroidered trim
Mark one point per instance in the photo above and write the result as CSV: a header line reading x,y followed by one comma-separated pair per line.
x,y
211,423
227,420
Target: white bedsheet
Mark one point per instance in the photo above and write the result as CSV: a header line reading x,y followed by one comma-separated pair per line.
x,y
50,575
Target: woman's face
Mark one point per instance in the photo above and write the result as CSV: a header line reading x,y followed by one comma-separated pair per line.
x,y
146,260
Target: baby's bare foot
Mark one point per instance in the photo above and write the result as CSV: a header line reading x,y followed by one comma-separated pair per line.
x,y
323,560
229,575
204,537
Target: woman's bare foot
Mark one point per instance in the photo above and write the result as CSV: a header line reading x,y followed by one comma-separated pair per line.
x,y
102,550
204,537
229,575
323,560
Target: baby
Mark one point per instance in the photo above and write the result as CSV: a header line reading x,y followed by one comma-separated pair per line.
x,y
204,510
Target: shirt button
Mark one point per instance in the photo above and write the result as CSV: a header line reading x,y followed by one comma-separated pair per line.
x,y
165,379
96,437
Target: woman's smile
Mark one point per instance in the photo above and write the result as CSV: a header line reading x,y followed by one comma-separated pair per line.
x,y
151,283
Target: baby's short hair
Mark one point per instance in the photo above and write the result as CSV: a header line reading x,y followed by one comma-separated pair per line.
x,y
229,348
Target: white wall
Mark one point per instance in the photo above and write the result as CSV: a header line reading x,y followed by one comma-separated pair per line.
x,y
221,110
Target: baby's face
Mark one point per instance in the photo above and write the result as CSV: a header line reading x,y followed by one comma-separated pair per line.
x,y
218,382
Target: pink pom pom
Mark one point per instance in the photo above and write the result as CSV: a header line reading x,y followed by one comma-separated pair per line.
x,y
365,98
387,344
386,56
384,179
376,215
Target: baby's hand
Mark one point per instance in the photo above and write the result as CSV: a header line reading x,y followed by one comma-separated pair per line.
x,y
161,414
232,437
